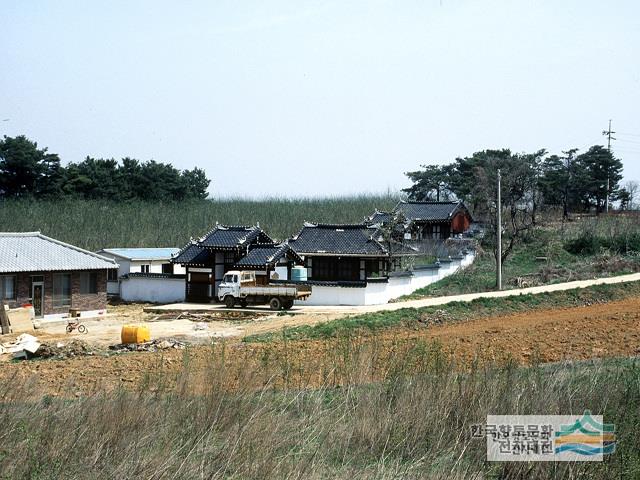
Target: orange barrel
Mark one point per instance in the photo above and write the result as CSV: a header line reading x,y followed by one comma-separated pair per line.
x,y
135,334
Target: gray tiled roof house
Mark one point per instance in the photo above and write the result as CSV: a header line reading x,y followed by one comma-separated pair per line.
x,y
34,252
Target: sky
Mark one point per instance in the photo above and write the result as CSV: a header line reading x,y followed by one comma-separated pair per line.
x,y
309,98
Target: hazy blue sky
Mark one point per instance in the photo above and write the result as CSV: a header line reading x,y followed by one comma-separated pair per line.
x,y
318,98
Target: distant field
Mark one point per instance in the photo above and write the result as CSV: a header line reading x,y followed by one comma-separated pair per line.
x,y
96,224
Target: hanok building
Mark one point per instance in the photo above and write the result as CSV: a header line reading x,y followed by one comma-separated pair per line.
x,y
206,260
342,253
270,262
428,220
51,275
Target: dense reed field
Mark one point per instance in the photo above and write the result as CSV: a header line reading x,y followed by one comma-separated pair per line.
x,y
414,423
96,224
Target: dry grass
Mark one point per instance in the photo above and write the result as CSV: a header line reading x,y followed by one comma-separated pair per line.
x,y
415,423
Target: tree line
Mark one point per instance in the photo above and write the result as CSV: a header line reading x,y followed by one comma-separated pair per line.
x,y
530,181
577,183
27,171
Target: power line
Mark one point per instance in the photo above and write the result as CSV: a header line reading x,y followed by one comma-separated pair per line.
x,y
608,134
624,140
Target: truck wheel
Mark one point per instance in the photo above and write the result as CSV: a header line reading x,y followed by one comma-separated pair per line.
x,y
275,303
229,301
288,303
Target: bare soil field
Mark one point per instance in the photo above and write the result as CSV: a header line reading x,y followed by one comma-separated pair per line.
x,y
579,333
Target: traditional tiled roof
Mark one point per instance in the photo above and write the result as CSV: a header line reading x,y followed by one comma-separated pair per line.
x,y
231,237
192,254
330,239
379,217
141,253
262,256
429,211
34,252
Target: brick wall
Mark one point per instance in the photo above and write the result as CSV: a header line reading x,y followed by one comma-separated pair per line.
x,y
80,301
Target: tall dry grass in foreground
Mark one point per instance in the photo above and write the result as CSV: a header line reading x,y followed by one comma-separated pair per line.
x,y
413,424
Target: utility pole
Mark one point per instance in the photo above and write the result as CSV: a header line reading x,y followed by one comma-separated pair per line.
x,y
499,238
608,134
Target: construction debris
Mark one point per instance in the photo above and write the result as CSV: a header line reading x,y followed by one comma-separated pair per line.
x,y
436,318
60,350
152,346
23,347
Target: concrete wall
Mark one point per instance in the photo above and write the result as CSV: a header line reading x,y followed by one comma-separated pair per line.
x,y
376,293
113,288
127,266
153,290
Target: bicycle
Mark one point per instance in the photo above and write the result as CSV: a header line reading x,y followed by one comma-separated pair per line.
x,y
76,325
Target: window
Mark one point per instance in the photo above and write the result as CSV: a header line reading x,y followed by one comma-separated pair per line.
x,y
62,290
88,282
144,268
436,232
112,275
229,258
8,287
167,268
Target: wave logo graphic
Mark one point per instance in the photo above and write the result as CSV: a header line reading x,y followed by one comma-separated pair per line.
x,y
586,436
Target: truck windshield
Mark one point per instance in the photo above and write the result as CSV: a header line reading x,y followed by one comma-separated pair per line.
x,y
228,279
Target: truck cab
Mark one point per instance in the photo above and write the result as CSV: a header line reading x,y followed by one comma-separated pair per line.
x,y
232,281
241,288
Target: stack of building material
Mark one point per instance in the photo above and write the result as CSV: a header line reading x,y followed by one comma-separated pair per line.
x,y
24,345
21,320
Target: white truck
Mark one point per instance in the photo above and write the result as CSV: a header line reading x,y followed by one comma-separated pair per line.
x,y
240,288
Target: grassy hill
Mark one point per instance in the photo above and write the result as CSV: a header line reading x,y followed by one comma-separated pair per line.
x,y
96,224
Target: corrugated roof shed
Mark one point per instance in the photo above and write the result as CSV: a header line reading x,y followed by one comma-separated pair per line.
x,y
142,253
34,252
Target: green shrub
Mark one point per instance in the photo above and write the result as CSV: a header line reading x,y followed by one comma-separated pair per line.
x,y
589,243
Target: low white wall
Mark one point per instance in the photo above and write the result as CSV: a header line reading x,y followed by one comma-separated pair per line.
x,y
150,289
376,293
113,288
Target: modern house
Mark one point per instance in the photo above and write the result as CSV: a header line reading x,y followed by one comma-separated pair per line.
x,y
428,220
207,259
51,275
139,261
145,275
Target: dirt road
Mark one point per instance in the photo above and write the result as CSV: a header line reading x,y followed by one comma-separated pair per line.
x,y
611,329
426,302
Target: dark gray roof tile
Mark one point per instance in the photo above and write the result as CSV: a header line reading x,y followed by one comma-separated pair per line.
x,y
428,211
229,237
262,256
359,239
